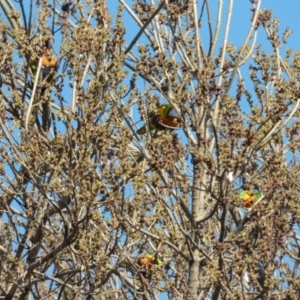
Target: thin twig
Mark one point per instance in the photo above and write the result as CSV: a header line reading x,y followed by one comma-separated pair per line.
x,y
31,101
144,27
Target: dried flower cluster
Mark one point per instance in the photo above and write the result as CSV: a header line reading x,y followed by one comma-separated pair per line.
x,y
88,204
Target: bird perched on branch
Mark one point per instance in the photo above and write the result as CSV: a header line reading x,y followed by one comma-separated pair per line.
x,y
148,260
49,64
163,117
46,79
249,197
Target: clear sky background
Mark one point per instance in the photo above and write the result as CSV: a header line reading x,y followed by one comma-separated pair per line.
x,y
287,12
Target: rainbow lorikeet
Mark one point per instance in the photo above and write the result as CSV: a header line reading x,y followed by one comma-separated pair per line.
x,y
148,260
163,117
49,67
250,197
49,63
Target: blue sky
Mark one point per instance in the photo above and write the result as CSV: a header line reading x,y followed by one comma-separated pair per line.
x,y
287,12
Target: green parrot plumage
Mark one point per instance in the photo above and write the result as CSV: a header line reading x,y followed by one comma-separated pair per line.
x,y
250,197
163,117
148,260
48,63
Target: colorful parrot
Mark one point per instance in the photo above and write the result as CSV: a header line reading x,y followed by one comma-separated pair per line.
x,y
49,63
148,260
250,197
162,115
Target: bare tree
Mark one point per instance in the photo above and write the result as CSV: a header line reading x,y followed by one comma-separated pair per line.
x,y
89,205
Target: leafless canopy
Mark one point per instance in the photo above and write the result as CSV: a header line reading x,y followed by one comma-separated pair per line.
x,y
83,196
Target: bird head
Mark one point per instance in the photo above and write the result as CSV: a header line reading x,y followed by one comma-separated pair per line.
x,y
177,121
